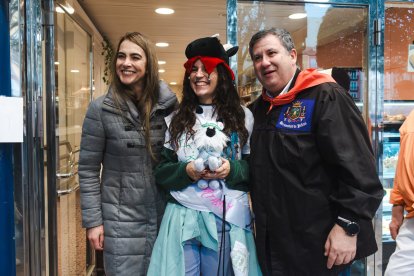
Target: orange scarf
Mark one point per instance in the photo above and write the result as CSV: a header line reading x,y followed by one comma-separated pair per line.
x,y
306,79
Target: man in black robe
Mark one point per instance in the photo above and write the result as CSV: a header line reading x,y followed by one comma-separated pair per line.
x,y
315,188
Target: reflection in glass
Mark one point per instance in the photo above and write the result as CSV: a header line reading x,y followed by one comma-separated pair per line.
x,y
15,50
398,49
329,36
15,70
72,70
398,99
73,92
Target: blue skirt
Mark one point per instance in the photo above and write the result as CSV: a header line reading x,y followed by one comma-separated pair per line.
x,y
181,224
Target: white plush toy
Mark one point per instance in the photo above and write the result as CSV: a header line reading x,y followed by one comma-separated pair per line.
x,y
210,141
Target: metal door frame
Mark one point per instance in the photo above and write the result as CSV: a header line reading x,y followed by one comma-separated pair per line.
x,y
28,156
53,146
7,247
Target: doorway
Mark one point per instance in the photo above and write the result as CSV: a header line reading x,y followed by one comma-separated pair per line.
x,y
325,35
398,100
332,35
73,93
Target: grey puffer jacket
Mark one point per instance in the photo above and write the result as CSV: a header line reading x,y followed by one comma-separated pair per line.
x,y
125,198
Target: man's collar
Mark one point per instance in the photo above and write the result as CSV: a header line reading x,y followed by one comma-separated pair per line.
x,y
302,81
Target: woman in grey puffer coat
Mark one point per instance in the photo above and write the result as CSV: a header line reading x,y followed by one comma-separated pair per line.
x,y
124,132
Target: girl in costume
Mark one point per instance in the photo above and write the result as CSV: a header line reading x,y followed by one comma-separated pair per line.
x,y
206,231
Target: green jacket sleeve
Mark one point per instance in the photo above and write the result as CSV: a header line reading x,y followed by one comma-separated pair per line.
x,y
238,178
170,174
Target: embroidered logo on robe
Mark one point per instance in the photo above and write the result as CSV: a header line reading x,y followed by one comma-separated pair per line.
x,y
296,116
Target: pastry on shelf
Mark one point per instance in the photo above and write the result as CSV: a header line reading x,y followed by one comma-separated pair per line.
x,y
394,118
390,162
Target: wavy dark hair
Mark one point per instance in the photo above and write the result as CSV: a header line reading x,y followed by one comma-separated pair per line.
x,y
150,93
227,107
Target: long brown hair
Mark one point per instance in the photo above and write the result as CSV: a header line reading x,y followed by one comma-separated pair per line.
x,y
150,93
227,106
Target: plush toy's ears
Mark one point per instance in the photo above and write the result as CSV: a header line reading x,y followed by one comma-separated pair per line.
x,y
232,51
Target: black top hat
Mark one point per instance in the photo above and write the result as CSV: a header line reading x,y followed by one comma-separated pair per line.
x,y
209,47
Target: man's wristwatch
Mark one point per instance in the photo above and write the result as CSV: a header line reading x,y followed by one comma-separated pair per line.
x,y
351,228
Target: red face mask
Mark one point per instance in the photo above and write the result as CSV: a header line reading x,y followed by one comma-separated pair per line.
x,y
209,64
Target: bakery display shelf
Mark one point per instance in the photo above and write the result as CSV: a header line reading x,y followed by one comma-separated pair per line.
x,y
393,134
399,103
388,175
392,124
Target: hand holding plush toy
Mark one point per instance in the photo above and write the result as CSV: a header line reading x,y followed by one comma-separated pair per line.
x,y
210,141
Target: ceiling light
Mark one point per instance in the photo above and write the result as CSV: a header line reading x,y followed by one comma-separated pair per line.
x,y
162,44
161,71
161,62
69,9
173,83
164,11
74,71
297,15
66,8
59,10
